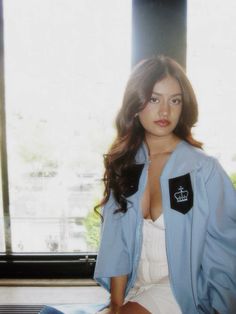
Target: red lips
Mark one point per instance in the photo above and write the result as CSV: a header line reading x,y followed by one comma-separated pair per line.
x,y
162,122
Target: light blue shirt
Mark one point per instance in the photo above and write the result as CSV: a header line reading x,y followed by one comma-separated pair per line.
x,y
199,208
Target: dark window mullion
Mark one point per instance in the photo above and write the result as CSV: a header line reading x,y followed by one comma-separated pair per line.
x,y
5,190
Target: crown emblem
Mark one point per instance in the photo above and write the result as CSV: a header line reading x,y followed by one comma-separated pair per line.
x,y
182,195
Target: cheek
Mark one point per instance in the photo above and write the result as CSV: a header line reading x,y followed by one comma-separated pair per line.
x,y
145,113
178,112
145,117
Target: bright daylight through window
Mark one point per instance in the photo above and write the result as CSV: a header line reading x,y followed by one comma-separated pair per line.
x,y
211,56
66,65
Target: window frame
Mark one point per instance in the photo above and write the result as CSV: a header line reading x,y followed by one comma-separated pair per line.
x,y
49,266
81,265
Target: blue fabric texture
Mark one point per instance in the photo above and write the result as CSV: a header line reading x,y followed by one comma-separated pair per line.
x,y
200,237
72,309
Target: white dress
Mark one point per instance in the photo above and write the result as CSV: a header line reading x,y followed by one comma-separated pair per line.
x,y
152,287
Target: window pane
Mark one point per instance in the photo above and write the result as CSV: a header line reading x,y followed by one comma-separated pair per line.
x,y
66,65
211,63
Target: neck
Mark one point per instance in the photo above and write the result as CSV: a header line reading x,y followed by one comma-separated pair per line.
x,y
161,144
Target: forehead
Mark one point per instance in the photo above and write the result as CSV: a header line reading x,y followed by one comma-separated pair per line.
x,y
168,85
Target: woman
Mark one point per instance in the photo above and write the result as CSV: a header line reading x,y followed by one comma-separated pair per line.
x,y
168,237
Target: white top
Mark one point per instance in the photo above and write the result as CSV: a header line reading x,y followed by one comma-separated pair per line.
x,y
153,267
152,287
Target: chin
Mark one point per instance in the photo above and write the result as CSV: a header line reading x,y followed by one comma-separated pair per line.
x,y
160,134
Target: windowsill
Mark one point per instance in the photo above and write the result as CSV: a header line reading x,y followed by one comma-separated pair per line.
x,y
48,282
50,294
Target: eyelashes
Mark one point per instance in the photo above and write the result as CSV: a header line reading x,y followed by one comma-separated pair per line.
x,y
176,101
173,101
154,100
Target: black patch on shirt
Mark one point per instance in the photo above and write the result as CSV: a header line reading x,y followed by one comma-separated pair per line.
x,y
181,193
131,179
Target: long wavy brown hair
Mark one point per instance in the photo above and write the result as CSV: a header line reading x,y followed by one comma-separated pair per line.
x,y
130,133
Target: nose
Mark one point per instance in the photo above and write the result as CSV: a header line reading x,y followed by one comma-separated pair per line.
x,y
164,109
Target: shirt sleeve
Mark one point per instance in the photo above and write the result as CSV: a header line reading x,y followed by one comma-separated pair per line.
x,y
113,257
219,257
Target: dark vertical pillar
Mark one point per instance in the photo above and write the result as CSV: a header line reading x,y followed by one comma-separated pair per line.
x,y
159,27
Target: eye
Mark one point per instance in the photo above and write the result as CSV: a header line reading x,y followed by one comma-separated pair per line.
x,y
176,101
154,100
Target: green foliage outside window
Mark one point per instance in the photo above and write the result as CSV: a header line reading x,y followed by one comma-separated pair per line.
x,y
92,223
233,178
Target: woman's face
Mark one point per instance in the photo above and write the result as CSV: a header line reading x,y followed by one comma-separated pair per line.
x,y
162,112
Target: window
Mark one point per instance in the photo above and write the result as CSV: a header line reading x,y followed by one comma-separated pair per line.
x,y
66,64
211,60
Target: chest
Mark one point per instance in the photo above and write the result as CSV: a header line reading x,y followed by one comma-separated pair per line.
x,y
151,201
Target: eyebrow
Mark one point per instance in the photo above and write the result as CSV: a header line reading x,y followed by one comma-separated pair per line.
x,y
158,94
